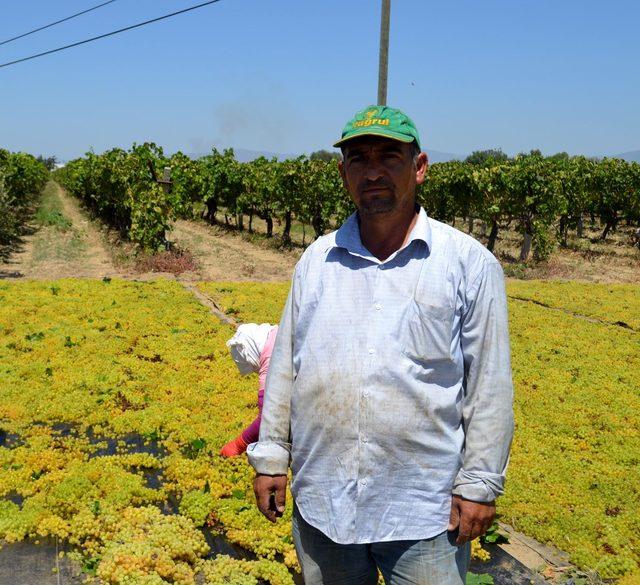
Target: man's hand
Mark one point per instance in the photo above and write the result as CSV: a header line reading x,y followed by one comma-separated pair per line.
x,y
271,493
472,518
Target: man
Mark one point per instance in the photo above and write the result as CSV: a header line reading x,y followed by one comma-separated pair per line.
x,y
390,383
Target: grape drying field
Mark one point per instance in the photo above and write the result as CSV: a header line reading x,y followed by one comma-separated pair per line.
x,y
117,395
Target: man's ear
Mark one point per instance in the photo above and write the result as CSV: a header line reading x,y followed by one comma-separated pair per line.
x,y
343,175
422,164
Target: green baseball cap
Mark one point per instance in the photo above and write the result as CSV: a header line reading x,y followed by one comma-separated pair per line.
x,y
380,121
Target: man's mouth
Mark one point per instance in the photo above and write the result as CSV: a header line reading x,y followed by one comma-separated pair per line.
x,y
374,190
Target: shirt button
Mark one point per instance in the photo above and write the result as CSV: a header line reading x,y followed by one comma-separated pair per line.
x,y
365,394
363,482
364,439
378,306
371,350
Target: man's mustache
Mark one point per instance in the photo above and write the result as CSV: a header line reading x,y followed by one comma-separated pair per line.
x,y
370,186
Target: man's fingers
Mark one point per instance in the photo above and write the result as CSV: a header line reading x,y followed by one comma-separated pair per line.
x,y
262,491
464,530
454,516
482,524
270,491
281,497
486,525
474,527
476,530
472,518
263,498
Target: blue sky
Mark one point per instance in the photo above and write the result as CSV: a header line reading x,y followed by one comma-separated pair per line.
x,y
284,76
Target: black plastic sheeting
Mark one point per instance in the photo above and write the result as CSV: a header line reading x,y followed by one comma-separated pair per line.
x,y
9,440
504,569
26,563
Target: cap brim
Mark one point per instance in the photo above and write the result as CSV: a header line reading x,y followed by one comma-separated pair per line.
x,y
369,132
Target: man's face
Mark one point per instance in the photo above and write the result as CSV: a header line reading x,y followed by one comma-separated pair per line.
x,y
381,174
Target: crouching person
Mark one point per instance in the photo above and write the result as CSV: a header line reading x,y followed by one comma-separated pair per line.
x,y
251,348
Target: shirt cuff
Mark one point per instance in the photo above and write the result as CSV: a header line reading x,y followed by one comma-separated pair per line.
x,y
269,457
478,486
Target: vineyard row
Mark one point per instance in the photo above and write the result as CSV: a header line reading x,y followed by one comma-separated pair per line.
x,y
22,177
544,198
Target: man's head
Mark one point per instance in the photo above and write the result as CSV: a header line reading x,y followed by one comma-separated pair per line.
x,y
382,163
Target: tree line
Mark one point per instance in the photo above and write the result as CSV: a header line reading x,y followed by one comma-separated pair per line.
x,y
22,178
141,191
545,198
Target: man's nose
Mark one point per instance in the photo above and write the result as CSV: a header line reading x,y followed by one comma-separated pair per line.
x,y
373,172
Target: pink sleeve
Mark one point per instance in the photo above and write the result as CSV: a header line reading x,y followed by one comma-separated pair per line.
x,y
265,358
250,434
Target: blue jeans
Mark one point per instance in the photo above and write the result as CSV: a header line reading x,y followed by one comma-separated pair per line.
x,y
433,561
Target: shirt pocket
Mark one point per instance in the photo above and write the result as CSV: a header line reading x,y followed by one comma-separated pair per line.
x,y
426,333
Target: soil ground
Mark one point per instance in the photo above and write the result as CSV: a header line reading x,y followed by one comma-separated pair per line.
x,y
61,242
71,245
225,255
585,259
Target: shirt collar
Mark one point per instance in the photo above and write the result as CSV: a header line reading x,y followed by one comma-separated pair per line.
x,y
348,235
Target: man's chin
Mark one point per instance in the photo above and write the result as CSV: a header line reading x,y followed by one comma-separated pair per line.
x,y
377,205
377,208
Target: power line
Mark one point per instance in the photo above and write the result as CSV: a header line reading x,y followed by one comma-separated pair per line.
x,y
115,32
35,30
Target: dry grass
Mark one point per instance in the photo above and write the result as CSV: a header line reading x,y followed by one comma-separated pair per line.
x,y
586,259
174,261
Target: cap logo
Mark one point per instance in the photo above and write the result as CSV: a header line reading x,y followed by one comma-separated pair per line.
x,y
370,122
379,120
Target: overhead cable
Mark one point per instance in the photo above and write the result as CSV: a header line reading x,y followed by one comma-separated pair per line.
x,y
115,32
35,30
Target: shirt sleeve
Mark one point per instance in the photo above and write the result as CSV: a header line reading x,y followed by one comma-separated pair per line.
x,y
488,403
271,454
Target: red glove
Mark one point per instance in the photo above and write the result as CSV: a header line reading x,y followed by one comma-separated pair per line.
x,y
234,448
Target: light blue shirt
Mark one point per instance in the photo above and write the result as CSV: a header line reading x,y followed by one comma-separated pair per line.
x,y
390,384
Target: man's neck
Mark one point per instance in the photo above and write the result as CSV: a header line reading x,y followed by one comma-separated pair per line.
x,y
385,234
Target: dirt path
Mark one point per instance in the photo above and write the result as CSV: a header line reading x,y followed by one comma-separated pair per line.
x,y
63,243
66,245
210,304
97,260
227,256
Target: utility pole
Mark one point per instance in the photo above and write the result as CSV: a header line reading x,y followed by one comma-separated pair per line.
x,y
383,66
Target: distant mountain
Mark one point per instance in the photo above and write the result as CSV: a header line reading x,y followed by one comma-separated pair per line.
x,y
634,155
435,156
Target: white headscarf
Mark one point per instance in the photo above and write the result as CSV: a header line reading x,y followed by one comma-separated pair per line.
x,y
247,345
